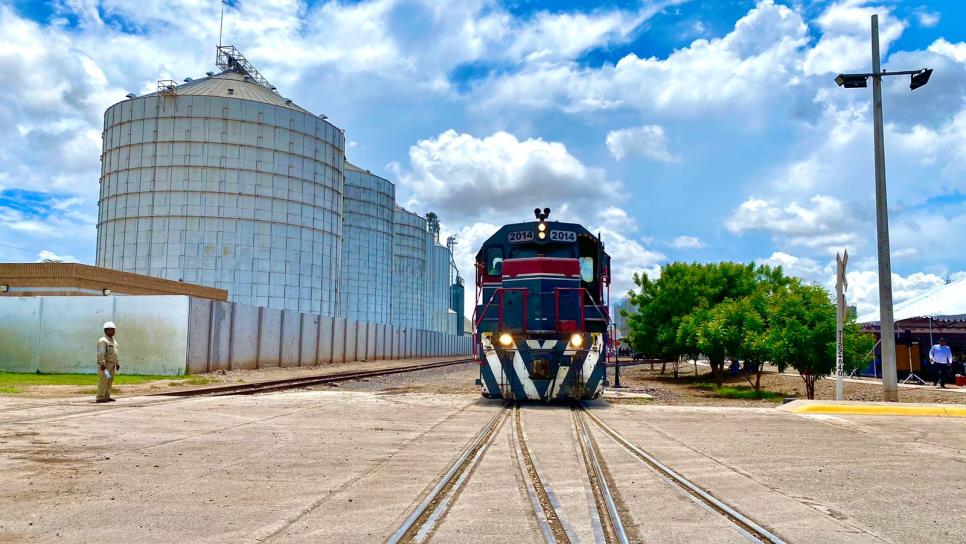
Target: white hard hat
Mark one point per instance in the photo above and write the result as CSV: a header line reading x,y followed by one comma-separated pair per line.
x,y
110,325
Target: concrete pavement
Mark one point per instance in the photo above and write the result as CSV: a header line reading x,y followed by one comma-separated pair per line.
x,y
816,478
347,466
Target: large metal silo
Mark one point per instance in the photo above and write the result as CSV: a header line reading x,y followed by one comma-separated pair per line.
x,y
437,286
223,182
367,246
411,244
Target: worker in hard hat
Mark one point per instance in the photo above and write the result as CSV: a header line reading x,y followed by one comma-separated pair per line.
x,y
107,362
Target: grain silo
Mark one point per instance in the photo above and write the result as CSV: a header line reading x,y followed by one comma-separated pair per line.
x,y
222,181
437,287
367,246
411,244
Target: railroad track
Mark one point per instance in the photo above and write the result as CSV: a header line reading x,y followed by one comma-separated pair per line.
x,y
745,526
236,389
419,525
307,381
606,504
421,521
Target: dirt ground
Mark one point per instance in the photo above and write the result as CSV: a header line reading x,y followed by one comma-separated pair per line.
x,y
214,378
450,380
682,391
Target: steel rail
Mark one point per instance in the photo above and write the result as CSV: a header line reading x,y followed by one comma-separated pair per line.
x,y
305,381
535,488
617,525
446,488
748,528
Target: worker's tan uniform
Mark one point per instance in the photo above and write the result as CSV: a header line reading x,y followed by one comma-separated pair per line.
x,y
107,358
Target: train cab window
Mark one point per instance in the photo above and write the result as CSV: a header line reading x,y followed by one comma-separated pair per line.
x,y
494,261
587,269
561,252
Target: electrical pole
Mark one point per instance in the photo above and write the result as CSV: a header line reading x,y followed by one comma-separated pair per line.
x,y
887,335
841,284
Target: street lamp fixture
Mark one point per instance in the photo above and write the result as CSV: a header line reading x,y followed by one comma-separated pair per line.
x,y
887,324
920,79
852,81
917,78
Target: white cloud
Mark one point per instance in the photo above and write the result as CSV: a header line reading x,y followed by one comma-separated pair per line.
x,y
498,174
747,66
802,267
825,223
955,51
648,141
927,18
50,256
863,279
864,287
616,219
687,242
564,35
844,44
628,257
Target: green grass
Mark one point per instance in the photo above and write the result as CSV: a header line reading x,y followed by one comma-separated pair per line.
x,y
11,379
739,392
8,390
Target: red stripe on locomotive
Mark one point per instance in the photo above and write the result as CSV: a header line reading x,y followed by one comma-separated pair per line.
x,y
541,265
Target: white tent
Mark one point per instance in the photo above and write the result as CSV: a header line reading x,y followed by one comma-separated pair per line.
x,y
946,303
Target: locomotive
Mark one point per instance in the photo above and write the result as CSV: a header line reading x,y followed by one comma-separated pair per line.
x,y
541,319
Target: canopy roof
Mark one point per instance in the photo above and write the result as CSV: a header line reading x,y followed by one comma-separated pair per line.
x,y
946,303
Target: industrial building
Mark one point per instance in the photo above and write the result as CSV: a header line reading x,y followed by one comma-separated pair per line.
x,y
223,182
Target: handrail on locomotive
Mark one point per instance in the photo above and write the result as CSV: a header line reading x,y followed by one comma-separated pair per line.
x,y
601,310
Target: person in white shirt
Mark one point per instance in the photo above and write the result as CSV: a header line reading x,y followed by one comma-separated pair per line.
x,y
942,358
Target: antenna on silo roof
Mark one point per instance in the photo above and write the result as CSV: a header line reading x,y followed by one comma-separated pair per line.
x,y
229,58
221,24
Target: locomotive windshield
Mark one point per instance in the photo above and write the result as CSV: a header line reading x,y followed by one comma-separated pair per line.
x,y
587,269
565,252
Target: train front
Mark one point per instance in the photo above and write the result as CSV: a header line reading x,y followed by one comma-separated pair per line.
x,y
541,317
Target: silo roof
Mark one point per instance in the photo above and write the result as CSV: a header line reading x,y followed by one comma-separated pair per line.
x,y
232,84
350,166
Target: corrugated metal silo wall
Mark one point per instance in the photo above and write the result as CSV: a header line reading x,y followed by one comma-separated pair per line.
x,y
224,192
409,266
367,251
437,289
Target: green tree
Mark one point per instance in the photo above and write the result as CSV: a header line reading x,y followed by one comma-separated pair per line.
x,y
803,332
671,309
741,327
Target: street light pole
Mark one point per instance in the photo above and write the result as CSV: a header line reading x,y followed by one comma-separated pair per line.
x,y
890,390
887,334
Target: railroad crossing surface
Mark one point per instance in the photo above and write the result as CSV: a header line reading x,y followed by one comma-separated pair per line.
x,y
364,463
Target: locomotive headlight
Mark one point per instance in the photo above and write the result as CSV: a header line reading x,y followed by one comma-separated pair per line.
x,y
506,340
542,227
541,235
576,340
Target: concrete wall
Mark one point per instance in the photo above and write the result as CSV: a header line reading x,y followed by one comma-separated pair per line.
x,y
59,334
171,335
237,336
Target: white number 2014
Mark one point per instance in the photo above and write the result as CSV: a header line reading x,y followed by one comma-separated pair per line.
x,y
520,236
563,236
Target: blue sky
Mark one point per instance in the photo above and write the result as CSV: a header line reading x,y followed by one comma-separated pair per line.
x,y
682,130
